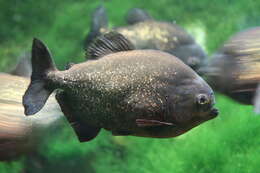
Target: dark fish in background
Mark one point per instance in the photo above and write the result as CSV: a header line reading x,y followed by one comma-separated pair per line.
x,y
21,135
99,21
125,91
24,67
235,68
137,15
146,33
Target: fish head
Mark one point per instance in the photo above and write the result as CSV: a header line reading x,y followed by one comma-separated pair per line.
x,y
192,55
193,103
205,106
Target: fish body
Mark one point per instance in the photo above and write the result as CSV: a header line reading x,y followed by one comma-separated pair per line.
x,y
128,92
234,68
146,33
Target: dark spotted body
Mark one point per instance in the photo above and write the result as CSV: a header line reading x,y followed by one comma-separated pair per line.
x,y
122,87
132,92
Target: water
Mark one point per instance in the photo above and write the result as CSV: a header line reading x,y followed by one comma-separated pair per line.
x,y
229,143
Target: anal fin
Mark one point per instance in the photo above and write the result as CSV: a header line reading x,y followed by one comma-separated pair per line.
x,y
84,131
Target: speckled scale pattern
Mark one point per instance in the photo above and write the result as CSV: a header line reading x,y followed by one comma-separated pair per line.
x,y
117,89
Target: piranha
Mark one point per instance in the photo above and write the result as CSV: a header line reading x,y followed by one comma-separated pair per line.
x,y
146,33
235,68
147,93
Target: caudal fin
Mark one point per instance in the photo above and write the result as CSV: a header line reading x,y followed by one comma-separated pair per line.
x,y
24,67
38,91
99,20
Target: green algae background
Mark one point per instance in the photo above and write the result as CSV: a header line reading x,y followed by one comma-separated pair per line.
x,y
230,143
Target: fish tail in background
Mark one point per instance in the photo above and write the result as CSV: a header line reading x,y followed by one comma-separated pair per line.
x,y
24,67
99,20
136,15
38,91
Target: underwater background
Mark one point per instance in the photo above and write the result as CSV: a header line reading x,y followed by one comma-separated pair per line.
x,y
226,144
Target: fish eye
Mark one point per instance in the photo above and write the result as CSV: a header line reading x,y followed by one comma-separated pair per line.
x,y
202,99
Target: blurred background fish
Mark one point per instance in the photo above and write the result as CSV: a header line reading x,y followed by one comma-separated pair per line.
x,y
228,144
24,66
21,135
235,68
147,33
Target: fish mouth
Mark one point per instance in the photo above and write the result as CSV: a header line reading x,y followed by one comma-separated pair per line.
x,y
214,112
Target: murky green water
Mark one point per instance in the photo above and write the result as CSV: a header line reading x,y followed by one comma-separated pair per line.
x,y
229,143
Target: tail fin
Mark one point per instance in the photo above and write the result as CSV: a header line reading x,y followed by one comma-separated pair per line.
x,y
136,15
24,67
38,92
99,20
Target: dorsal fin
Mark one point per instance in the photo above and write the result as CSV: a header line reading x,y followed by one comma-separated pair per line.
x,y
108,43
99,21
136,15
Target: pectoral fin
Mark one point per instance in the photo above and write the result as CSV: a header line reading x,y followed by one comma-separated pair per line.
x,y
85,132
151,123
